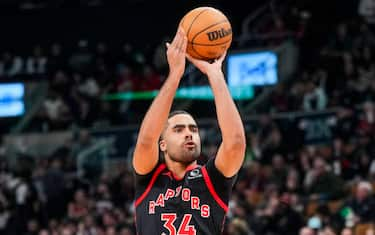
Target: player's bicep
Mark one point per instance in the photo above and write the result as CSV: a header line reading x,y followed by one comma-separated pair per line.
x,y
229,159
145,157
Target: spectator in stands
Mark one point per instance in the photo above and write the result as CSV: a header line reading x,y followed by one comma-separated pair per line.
x,y
103,198
366,9
314,98
252,177
279,218
44,232
340,43
363,163
328,231
79,207
56,110
363,203
296,94
21,196
82,140
365,37
321,183
280,101
89,87
279,170
54,188
347,231
366,122
306,231
103,56
32,227
82,58
150,79
126,231
346,123
238,227
270,138
4,212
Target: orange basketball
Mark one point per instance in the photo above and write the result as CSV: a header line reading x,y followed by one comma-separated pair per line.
x,y
208,31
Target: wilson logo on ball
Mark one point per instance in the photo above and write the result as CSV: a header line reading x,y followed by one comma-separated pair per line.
x,y
214,35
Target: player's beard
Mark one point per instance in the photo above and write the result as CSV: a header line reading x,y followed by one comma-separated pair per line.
x,y
186,156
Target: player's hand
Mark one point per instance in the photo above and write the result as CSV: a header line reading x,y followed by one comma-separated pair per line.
x,y
176,53
206,67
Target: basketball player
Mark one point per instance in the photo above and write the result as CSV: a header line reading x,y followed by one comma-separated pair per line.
x,y
176,196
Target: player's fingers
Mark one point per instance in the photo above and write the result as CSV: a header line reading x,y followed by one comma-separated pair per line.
x,y
189,58
192,60
184,44
196,62
175,38
222,57
183,39
178,40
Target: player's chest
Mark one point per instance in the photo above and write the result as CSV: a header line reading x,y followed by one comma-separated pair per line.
x,y
188,194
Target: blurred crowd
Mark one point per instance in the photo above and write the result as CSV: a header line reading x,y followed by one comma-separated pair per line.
x,y
341,74
285,186
78,78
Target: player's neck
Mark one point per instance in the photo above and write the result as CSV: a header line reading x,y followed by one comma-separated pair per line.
x,y
177,168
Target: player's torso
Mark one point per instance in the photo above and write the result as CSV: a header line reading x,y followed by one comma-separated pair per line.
x,y
179,207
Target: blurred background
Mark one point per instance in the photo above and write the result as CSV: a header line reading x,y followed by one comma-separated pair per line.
x,y
76,78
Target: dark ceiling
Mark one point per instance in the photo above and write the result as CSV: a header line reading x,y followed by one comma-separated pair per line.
x,y
24,23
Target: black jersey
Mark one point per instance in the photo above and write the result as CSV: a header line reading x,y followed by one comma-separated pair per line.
x,y
193,205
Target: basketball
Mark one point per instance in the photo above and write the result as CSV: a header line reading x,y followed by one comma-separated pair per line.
x,y
208,31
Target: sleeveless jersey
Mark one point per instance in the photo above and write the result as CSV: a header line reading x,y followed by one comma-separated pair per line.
x,y
193,205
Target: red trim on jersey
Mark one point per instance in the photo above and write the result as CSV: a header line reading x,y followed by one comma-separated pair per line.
x,y
149,186
212,190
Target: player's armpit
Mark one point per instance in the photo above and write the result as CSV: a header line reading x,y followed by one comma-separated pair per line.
x,y
229,158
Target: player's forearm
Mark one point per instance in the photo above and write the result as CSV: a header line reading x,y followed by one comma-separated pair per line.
x,y
157,115
229,119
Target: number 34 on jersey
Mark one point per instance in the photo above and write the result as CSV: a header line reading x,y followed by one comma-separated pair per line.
x,y
183,229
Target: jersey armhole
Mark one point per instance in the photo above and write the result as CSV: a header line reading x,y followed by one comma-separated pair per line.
x,y
212,190
155,175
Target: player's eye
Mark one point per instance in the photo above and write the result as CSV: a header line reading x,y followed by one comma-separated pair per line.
x,y
178,130
194,129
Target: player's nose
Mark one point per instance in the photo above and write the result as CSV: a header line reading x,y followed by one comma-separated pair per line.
x,y
188,135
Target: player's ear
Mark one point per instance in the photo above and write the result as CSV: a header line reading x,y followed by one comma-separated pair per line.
x,y
162,145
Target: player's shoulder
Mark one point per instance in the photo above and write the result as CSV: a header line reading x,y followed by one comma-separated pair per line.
x,y
145,178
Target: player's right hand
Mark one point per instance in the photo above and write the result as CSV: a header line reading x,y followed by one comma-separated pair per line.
x,y
207,67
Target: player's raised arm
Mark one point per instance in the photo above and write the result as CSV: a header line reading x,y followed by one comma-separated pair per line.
x,y
146,150
231,152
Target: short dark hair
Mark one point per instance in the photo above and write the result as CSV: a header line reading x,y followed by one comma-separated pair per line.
x,y
177,112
